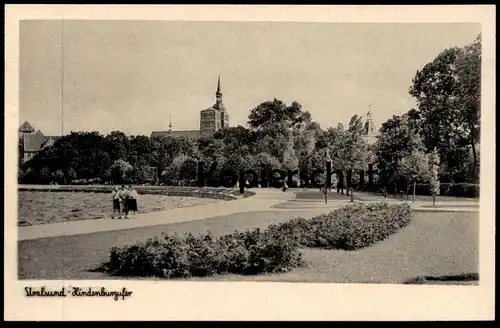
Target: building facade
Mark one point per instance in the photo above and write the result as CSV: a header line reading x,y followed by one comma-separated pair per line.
x,y
32,141
212,119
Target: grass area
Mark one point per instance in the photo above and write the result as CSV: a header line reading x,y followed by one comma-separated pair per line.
x,y
435,244
50,207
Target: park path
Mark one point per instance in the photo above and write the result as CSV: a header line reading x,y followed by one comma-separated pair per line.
x,y
263,200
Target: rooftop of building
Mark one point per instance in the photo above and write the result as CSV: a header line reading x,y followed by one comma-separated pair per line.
x,y
34,142
182,133
26,127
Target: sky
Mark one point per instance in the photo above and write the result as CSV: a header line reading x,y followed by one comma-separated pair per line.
x,y
133,75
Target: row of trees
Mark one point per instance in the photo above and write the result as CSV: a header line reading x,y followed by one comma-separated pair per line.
x,y
281,136
446,120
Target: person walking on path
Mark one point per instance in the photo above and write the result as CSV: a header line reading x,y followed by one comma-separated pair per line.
x,y
132,197
124,200
115,195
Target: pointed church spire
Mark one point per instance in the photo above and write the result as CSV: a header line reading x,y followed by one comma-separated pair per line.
x,y
219,91
170,125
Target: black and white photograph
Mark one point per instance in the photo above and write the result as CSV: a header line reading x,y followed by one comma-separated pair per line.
x,y
285,152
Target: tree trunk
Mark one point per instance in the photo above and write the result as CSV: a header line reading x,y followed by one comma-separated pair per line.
x,y
414,187
474,157
433,200
407,188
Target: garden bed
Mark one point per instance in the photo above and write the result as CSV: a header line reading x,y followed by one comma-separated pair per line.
x,y
275,249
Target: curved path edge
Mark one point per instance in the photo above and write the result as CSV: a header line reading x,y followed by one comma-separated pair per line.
x,y
262,200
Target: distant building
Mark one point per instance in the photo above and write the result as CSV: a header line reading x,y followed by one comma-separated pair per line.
x,y
212,119
32,142
369,131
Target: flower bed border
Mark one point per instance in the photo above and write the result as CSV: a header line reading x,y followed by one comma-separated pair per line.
x,y
225,194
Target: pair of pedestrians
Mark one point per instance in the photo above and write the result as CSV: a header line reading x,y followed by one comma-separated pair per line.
x,y
124,201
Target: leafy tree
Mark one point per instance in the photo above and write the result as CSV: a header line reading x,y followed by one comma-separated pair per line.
x,y
347,151
447,91
116,145
58,176
398,138
45,175
188,170
434,175
183,170
414,167
266,163
30,176
106,175
119,171
20,175
356,125
468,94
71,174
235,140
210,148
269,113
274,145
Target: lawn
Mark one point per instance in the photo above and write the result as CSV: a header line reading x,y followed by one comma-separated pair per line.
x,y
435,244
50,207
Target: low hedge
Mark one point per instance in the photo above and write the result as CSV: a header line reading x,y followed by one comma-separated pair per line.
x,y
249,252
276,249
468,190
349,228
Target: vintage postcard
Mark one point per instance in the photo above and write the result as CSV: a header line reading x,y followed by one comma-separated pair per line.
x,y
249,162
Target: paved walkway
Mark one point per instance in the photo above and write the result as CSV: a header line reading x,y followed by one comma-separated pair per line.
x,y
263,200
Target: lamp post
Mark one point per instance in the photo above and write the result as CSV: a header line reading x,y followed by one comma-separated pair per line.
x,y
328,160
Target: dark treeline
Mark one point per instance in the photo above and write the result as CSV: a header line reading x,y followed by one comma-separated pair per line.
x,y
281,136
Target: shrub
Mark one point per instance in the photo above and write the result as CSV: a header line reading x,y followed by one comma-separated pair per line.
x,y
44,175
249,252
20,175
349,228
71,174
58,176
276,249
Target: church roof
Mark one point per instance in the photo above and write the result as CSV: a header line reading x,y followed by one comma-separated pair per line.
x,y
184,133
37,141
34,142
26,127
219,106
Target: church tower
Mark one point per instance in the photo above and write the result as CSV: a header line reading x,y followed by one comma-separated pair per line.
x,y
219,105
215,117
369,131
